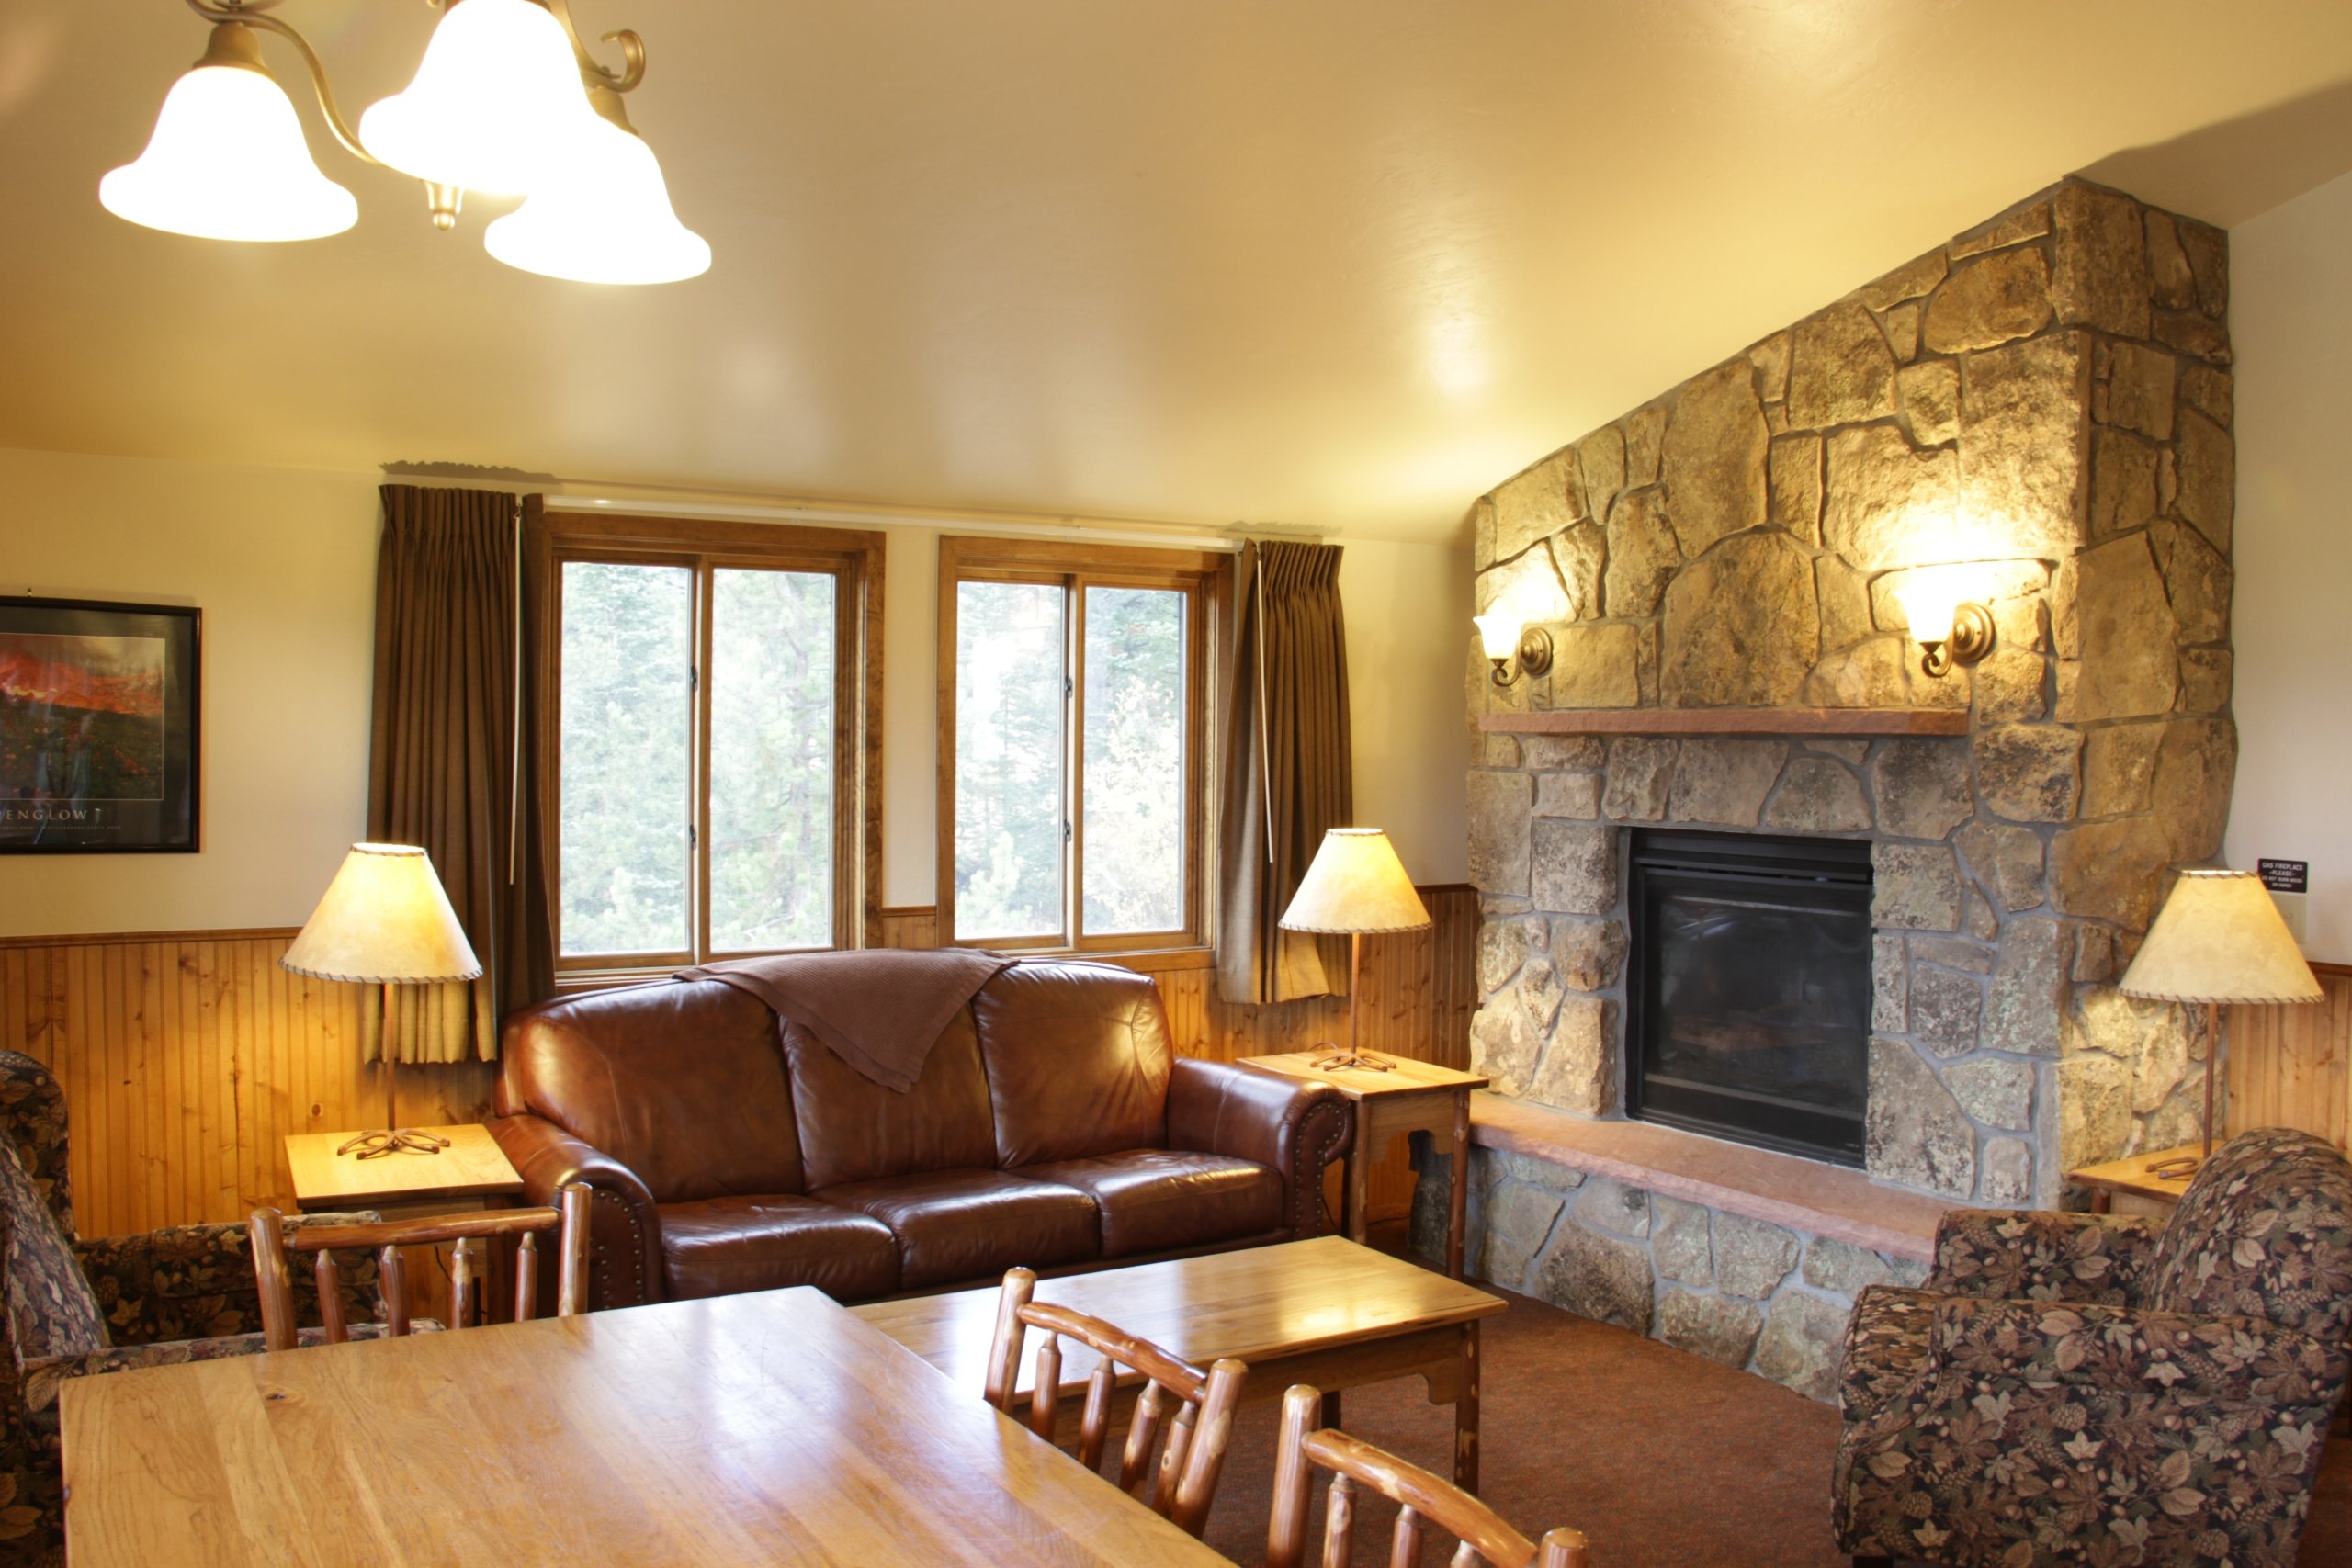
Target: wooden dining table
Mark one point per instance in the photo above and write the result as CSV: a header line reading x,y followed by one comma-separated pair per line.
x,y
766,1428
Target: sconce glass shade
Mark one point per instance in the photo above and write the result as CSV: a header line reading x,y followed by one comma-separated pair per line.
x,y
1930,601
496,104
1499,633
228,160
607,219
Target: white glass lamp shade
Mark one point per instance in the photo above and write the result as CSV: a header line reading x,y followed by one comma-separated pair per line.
x,y
1499,633
495,105
2219,938
1356,883
604,218
228,160
384,919
1930,601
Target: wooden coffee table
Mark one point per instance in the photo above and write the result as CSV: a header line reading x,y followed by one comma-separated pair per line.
x,y
1326,1311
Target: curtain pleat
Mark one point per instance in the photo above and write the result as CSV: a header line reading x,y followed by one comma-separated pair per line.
x,y
443,760
1288,775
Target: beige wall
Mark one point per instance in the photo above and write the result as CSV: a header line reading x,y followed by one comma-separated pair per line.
x,y
2291,317
282,562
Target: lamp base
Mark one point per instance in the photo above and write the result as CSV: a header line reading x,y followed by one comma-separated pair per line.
x,y
1364,1061
397,1140
2177,1167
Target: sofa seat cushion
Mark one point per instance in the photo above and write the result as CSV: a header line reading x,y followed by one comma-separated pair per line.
x,y
1886,1349
1161,1200
723,1245
954,1225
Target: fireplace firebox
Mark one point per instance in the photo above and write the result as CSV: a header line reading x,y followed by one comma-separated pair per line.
x,y
1749,989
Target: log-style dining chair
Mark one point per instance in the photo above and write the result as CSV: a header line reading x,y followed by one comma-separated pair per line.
x,y
1192,1446
272,1239
1420,1495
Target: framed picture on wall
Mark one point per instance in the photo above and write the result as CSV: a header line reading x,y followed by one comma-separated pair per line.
x,y
98,726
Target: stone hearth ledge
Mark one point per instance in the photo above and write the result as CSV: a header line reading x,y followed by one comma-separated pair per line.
x,y
1781,1189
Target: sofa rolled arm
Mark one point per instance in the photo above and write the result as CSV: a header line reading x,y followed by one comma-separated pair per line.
x,y
624,1226
2131,1350
2042,1256
1295,1127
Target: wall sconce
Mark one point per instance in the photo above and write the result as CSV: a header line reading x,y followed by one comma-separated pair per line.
x,y
1501,634
1948,629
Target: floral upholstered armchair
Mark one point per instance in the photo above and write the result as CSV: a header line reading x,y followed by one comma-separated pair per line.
x,y
77,1307
2078,1389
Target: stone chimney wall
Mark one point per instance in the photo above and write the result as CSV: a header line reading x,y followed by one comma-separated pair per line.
x,y
2047,400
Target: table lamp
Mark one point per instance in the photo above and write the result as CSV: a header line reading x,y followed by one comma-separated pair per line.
x,y
1355,887
385,921
2218,939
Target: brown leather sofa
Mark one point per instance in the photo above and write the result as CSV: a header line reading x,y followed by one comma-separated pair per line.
x,y
1052,1126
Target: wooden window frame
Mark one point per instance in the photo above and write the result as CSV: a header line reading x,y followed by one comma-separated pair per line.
x,y
1206,577
855,560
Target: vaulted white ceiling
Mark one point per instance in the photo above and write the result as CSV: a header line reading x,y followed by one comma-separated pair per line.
x,y
1341,264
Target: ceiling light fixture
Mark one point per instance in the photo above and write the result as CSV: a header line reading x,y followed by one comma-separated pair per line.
x,y
506,102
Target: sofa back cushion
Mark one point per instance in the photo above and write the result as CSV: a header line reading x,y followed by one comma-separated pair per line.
x,y
2264,1230
682,1081
32,1109
852,1129
51,1309
1078,1058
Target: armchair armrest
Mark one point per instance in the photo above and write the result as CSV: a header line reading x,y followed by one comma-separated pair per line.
x,y
624,1226
1297,1128
197,1282
2041,1255
2120,1349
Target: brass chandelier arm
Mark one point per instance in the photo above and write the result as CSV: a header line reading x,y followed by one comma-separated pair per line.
x,y
255,14
632,71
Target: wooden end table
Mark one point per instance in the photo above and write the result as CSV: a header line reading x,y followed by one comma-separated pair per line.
x,y
1413,1097
473,1173
1325,1312
2125,1186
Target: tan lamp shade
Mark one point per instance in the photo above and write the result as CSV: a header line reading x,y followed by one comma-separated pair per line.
x,y
384,921
2219,938
1355,884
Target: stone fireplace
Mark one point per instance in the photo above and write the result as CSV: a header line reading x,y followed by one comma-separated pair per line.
x,y
2046,401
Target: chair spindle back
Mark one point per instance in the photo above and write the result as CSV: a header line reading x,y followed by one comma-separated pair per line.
x,y
1191,1438
272,1241
1483,1535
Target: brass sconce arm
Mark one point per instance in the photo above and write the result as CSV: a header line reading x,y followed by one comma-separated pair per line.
x,y
632,71
1971,640
1533,657
256,14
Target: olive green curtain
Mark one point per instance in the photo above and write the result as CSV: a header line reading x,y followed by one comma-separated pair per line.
x,y
1287,770
445,768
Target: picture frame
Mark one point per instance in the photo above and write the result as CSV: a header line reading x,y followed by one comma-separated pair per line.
x,y
100,731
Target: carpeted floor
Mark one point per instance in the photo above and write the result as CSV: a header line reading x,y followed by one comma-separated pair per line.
x,y
1662,1458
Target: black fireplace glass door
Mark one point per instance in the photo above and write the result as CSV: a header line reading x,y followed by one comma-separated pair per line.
x,y
1753,1005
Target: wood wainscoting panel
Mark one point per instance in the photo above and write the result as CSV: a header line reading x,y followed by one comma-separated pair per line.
x,y
187,1057
2291,1066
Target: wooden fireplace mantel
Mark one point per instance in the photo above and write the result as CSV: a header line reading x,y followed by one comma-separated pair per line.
x,y
1730,721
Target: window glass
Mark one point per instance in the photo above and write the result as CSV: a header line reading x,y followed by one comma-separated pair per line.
x,y
627,802
1009,714
772,672
1133,770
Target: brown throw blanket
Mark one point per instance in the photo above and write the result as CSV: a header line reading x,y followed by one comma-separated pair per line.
x,y
880,1010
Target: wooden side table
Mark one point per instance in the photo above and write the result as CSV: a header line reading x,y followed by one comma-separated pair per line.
x,y
1413,1097
2125,1186
473,1173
